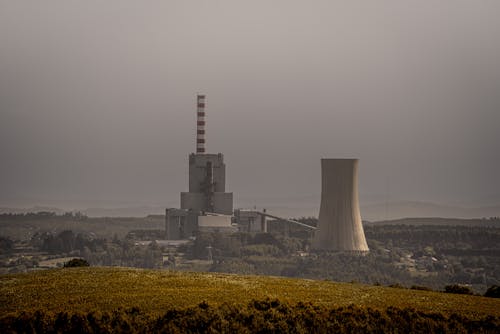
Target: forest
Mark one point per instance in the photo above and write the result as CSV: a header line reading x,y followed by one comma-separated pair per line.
x,y
430,256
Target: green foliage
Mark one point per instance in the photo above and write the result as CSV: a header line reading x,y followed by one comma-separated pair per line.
x,y
67,241
223,245
258,316
448,239
76,263
420,287
145,235
6,245
233,266
260,250
493,292
419,255
458,289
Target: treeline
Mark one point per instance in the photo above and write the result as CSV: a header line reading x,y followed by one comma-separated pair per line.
x,y
99,251
6,245
276,254
259,316
244,244
67,242
431,256
40,215
442,238
126,253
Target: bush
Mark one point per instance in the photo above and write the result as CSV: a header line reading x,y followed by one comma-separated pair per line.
x,y
76,263
493,292
458,289
420,287
6,245
263,316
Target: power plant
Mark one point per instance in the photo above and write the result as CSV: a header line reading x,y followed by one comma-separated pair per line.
x,y
340,227
208,207
207,175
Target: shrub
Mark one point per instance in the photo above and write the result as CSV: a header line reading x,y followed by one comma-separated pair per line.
x,y
493,291
76,263
258,316
420,287
458,289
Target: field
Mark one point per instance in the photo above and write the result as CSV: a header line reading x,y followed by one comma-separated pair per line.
x,y
106,289
137,298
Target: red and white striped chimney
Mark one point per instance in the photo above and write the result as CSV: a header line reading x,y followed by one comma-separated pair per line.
x,y
200,124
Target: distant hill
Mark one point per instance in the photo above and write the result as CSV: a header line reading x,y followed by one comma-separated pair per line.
x,y
394,210
309,207
137,211
32,209
440,221
375,209
401,209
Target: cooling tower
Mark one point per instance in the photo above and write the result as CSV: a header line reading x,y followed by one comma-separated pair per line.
x,y
339,227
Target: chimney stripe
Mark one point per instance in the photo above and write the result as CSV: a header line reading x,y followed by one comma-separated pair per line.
x,y
200,124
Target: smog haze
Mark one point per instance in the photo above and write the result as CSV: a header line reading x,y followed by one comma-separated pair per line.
x,y
97,99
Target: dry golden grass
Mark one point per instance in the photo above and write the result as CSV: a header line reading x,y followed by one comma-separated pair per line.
x,y
106,289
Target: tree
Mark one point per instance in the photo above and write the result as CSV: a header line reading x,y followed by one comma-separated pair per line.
x,y
459,289
76,263
6,245
493,291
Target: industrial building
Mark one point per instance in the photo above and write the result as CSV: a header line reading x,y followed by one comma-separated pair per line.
x,y
251,220
208,207
207,179
340,227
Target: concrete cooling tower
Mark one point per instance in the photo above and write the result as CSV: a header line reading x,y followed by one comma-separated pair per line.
x,y
339,227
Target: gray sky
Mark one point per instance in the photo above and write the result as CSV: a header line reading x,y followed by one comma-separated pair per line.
x,y
97,98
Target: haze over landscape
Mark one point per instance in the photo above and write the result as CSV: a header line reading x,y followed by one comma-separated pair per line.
x,y
97,101
357,188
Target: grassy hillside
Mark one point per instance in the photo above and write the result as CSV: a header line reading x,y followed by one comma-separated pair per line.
x,y
153,292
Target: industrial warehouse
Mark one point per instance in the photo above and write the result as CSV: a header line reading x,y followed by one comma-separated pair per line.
x,y
207,207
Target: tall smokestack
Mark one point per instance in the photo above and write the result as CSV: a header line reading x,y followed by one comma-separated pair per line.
x,y
200,124
339,227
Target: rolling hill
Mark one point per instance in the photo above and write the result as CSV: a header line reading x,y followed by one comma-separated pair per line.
x,y
149,296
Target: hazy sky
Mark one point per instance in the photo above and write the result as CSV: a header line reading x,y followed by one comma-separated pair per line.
x,y
97,98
